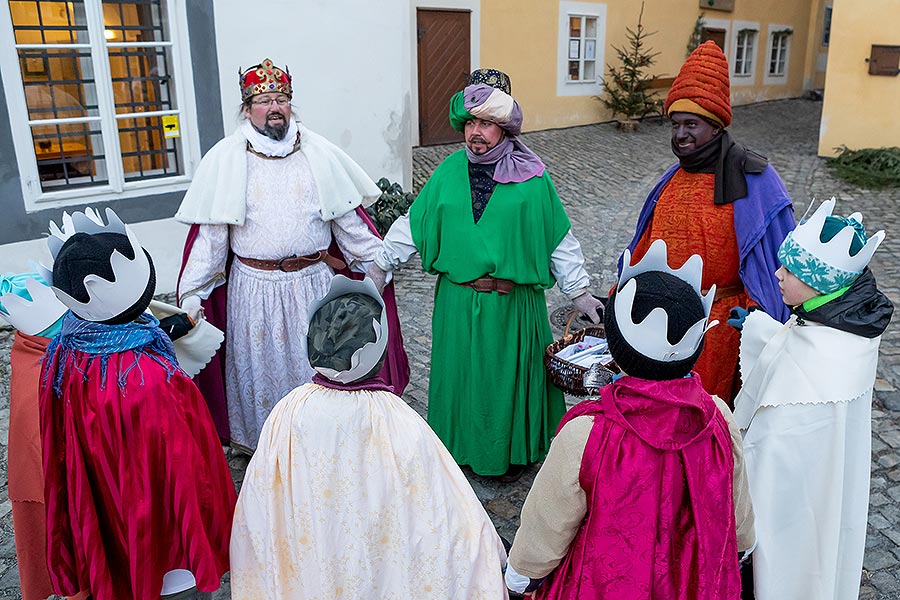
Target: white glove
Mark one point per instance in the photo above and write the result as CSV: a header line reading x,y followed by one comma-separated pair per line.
x,y
191,305
588,306
378,276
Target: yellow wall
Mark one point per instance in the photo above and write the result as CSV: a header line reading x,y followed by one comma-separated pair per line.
x,y
521,37
860,110
816,51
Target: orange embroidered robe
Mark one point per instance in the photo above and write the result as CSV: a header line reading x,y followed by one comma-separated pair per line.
x,y
690,223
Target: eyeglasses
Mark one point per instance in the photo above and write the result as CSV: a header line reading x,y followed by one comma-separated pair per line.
x,y
280,101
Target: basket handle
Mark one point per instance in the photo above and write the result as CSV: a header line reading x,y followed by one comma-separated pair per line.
x,y
574,314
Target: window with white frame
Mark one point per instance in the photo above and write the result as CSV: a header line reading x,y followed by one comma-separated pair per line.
x,y
582,49
102,108
778,49
744,52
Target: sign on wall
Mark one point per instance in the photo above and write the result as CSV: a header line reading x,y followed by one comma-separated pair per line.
x,y
726,5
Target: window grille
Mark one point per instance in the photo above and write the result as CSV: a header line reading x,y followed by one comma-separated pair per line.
x,y
778,54
743,57
582,49
99,80
826,30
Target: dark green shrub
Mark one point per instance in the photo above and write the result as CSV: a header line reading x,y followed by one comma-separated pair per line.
x,y
392,204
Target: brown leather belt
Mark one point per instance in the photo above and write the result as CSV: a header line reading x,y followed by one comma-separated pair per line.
x,y
490,284
289,264
727,292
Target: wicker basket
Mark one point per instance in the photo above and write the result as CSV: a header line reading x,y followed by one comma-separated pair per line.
x,y
568,376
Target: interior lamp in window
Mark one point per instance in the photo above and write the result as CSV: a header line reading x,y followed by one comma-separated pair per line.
x,y
109,34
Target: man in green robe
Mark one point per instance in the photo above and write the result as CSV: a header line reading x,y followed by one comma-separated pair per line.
x,y
490,225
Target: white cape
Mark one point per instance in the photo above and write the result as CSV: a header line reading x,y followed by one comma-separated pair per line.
x,y
218,193
352,495
805,411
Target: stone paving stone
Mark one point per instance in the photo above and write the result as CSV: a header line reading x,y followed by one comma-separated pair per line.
x,y
603,176
877,560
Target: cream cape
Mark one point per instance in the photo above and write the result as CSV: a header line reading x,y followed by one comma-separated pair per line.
x,y
351,495
805,409
218,193
800,364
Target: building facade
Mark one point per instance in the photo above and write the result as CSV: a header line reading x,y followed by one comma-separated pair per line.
x,y
862,98
114,102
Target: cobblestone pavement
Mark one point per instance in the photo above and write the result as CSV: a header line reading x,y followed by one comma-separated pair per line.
x,y
602,176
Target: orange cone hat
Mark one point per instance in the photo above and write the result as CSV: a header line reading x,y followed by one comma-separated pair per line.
x,y
702,86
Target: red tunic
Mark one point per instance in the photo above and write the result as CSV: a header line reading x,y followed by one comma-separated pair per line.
x,y
136,483
690,223
26,475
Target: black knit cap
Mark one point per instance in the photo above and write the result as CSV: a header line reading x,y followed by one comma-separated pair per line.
x,y
681,303
492,77
84,254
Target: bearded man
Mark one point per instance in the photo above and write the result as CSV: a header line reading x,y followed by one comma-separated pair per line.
x,y
721,201
275,210
490,225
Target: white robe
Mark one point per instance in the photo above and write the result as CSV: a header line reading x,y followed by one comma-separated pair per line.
x,y
267,310
352,495
805,409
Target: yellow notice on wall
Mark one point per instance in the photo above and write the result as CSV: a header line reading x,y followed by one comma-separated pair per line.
x,y
170,126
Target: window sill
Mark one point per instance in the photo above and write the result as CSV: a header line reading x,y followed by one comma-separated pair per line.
x,y
132,189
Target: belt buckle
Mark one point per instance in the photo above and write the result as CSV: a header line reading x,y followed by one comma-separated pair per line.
x,y
483,285
280,264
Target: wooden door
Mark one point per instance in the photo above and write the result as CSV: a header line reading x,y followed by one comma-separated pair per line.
x,y
716,35
443,54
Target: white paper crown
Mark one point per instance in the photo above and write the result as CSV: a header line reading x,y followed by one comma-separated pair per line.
x,y
364,359
836,251
32,316
106,299
649,337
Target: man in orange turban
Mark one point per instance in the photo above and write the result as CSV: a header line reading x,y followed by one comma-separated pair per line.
x,y
721,201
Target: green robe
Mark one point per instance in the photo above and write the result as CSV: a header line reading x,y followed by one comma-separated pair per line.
x,y
488,398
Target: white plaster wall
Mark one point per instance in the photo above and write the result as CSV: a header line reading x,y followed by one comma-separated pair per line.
x,y
163,239
349,60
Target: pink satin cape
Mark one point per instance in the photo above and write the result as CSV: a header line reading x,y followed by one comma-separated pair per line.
x,y
657,471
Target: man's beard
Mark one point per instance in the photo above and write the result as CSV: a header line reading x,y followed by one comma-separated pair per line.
x,y
477,139
277,131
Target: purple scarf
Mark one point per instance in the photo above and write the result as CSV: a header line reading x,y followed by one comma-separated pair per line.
x,y
515,161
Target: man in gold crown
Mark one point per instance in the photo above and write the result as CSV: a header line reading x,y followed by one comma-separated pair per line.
x,y
275,210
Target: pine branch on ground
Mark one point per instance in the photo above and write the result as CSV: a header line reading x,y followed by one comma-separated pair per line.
x,y
872,168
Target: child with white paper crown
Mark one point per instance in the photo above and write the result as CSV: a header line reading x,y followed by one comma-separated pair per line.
x,y
643,493
805,410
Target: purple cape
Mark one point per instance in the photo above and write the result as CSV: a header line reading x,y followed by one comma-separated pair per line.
x,y
211,380
762,219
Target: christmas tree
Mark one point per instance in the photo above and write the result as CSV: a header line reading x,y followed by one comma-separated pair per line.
x,y
627,86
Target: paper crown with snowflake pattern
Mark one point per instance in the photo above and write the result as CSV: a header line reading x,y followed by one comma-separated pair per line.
x,y
830,264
